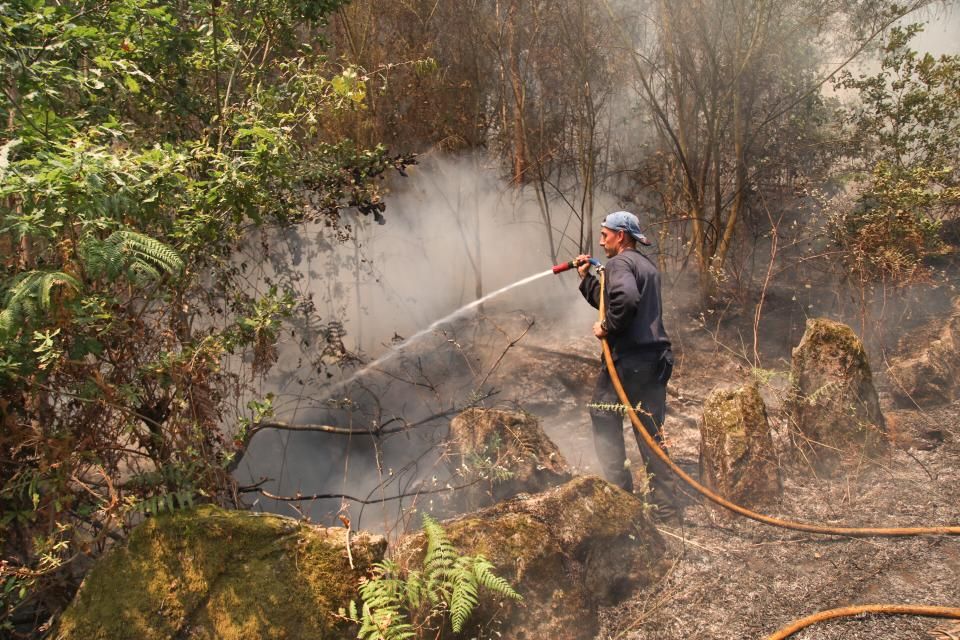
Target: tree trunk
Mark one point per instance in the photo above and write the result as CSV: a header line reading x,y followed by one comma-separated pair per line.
x,y
516,84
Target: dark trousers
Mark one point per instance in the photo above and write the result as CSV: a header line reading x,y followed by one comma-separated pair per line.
x,y
644,378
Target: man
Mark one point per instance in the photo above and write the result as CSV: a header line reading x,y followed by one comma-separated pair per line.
x,y
633,327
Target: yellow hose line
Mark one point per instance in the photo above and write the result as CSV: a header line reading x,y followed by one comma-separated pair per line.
x,y
855,532
844,612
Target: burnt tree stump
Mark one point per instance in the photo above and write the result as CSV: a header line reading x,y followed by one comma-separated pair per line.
x,y
929,376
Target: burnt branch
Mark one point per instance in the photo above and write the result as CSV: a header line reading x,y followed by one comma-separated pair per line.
x,y
375,432
344,496
504,353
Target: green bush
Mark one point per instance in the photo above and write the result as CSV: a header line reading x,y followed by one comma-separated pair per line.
x,y
145,144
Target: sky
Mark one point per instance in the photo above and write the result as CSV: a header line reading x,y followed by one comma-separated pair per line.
x,y
941,36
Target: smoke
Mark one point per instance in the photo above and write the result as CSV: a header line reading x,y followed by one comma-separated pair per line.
x,y
454,232
939,36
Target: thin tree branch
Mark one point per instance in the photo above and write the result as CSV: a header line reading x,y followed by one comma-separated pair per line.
x,y
502,355
344,496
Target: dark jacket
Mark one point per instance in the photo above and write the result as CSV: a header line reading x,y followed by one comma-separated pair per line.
x,y
634,311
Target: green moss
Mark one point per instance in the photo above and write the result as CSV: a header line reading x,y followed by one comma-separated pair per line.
x,y
223,575
827,339
736,451
517,531
834,406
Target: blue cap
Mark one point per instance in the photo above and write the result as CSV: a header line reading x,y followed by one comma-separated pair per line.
x,y
625,221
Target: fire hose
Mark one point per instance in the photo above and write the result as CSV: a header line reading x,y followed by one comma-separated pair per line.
x,y
856,532
845,612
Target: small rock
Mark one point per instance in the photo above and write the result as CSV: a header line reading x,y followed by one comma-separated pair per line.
x,y
499,454
737,459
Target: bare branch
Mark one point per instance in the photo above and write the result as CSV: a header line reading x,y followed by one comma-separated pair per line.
x,y
343,496
502,355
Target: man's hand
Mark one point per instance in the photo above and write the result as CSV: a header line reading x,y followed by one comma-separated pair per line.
x,y
584,267
599,331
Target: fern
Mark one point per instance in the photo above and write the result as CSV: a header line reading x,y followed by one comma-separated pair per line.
x,y
463,597
448,582
28,296
142,257
416,590
438,562
169,488
169,502
384,600
146,250
483,570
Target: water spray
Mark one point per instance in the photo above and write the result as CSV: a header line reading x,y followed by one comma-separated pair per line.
x,y
398,349
560,268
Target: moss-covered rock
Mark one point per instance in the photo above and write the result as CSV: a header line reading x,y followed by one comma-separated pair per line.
x,y
213,574
737,459
930,376
566,551
834,409
499,454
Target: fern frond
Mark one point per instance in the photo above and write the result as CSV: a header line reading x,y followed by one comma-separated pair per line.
x,y
438,560
101,258
7,322
147,250
384,623
463,597
383,603
143,257
169,502
483,570
144,270
28,295
415,590
450,582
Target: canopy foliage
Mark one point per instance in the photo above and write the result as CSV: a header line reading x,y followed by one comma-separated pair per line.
x,y
143,143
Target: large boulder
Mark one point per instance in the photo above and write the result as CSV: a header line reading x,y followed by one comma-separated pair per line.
x,y
213,574
737,459
928,376
566,551
498,454
834,409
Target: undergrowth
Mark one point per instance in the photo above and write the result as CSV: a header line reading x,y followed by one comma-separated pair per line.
x,y
398,604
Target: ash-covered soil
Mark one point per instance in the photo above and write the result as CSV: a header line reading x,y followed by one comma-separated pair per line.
x,y
733,578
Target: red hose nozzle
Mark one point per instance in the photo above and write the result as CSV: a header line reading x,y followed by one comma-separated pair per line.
x,y
565,266
573,264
